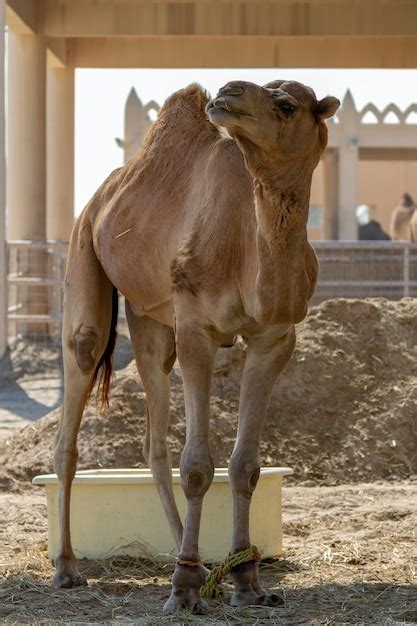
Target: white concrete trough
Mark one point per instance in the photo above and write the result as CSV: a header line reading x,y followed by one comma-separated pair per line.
x,y
118,512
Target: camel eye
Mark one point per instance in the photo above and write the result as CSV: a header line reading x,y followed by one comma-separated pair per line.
x,y
286,107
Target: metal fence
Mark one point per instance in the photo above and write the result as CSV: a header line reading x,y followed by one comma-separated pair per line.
x,y
35,278
361,269
347,269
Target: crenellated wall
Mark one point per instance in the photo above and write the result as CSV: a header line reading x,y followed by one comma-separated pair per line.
x,y
371,159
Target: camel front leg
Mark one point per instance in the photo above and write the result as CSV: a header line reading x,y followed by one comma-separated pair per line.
x,y
266,357
196,351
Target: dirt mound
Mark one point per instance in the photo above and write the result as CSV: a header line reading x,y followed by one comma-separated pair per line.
x,y
25,359
344,409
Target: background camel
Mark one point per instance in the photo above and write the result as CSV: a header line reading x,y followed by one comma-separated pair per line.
x,y
205,236
413,226
401,219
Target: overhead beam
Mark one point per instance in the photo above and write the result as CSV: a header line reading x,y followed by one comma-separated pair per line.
x,y
56,52
108,18
256,52
22,16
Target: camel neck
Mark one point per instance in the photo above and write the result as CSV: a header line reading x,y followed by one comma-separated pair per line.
x,y
282,196
283,283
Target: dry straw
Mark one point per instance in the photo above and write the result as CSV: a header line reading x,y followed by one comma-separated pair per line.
x,y
132,591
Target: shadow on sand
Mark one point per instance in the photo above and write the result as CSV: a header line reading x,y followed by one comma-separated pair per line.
x,y
28,395
121,591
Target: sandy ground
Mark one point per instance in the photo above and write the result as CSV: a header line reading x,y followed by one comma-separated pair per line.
x,y
27,391
344,416
343,410
26,401
349,558
31,382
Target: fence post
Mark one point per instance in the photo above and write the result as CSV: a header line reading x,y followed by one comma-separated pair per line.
x,y
406,271
3,265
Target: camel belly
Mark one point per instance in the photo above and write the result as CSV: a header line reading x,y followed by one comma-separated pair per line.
x,y
142,278
160,312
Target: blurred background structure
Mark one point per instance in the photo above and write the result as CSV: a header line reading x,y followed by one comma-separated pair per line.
x,y
359,180
371,156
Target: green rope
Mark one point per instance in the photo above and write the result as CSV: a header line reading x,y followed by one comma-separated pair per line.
x,y
212,585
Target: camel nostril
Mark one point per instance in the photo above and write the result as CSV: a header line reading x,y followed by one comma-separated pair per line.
x,y
219,101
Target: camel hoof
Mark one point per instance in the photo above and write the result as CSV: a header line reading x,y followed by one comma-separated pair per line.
x,y
182,601
250,598
200,608
68,580
185,594
273,599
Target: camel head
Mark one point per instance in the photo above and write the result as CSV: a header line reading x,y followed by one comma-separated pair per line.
x,y
280,121
407,201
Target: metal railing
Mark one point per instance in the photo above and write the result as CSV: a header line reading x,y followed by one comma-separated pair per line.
x,y
361,269
348,269
35,278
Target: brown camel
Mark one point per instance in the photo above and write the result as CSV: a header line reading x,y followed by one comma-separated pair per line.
x,y
205,236
413,226
401,218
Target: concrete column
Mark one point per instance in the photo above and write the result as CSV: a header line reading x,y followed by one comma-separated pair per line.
x,y
26,178
330,194
26,169
3,269
348,170
60,153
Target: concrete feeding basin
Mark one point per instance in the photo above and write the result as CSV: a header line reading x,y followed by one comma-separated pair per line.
x,y
118,512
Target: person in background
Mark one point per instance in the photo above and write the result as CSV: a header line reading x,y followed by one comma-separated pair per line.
x,y
369,229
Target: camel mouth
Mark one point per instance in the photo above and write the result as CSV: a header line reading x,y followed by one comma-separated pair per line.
x,y
219,108
219,103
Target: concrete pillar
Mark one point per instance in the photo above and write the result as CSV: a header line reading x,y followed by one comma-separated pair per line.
x,y
3,269
348,169
26,166
60,153
26,170
330,194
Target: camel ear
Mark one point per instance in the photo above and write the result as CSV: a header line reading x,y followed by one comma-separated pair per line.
x,y
327,107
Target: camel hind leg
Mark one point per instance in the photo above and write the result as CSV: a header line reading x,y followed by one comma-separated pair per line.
x,y
154,348
90,314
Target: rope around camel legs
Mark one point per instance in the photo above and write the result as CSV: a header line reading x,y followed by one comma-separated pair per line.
x,y
212,585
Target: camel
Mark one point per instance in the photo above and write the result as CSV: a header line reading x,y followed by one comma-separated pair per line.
x,y
204,234
401,219
413,227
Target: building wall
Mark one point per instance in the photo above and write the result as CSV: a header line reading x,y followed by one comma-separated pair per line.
x,y
380,185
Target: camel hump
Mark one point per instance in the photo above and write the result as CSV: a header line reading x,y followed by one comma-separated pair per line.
x,y
193,95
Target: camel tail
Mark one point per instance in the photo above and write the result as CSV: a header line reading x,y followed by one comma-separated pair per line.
x,y
104,367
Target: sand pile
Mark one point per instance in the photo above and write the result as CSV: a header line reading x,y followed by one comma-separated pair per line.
x,y
345,409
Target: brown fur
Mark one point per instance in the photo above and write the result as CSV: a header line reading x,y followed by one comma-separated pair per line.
x,y
205,236
403,226
413,227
